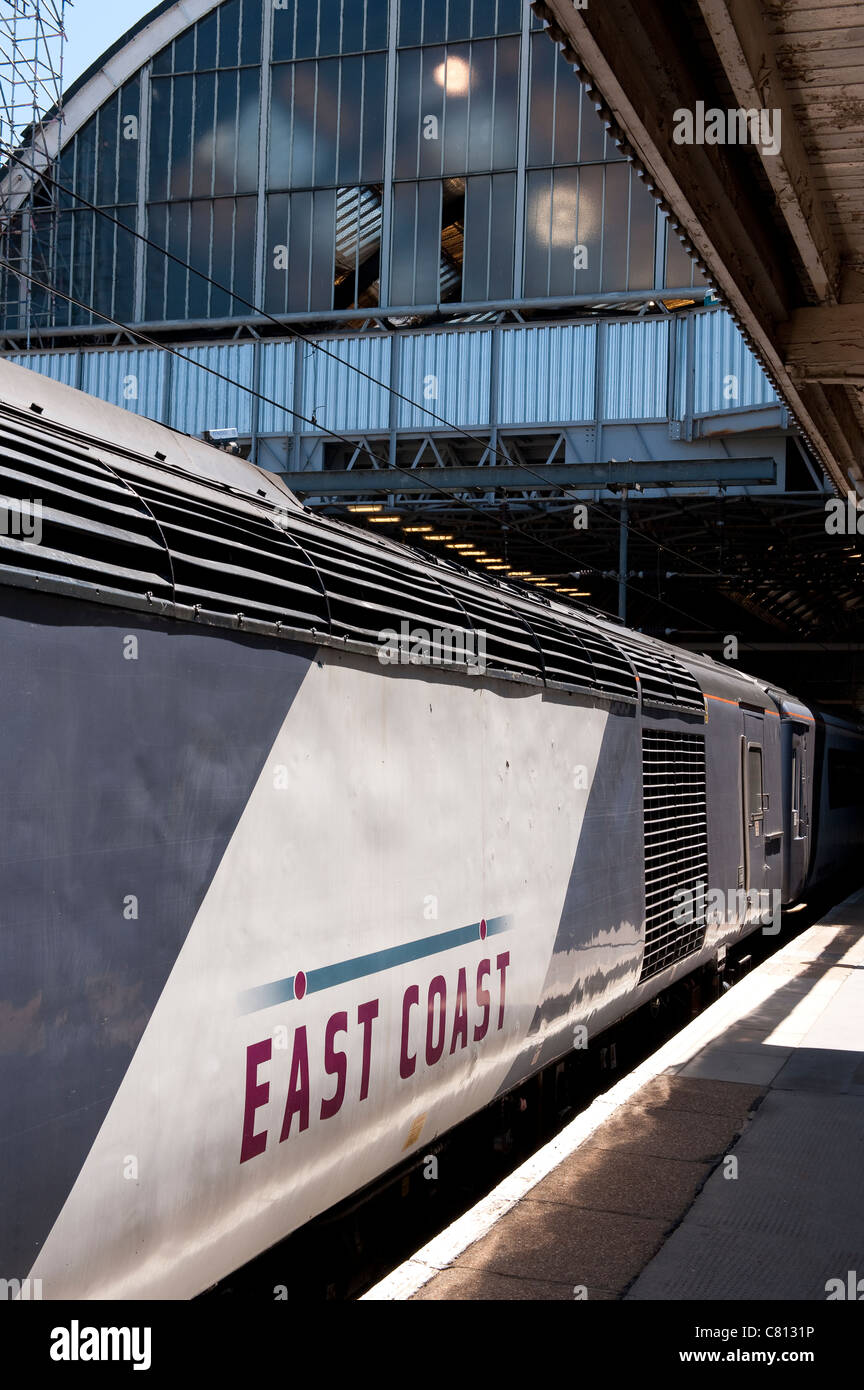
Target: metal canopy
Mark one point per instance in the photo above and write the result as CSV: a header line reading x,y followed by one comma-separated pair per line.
x,y
781,234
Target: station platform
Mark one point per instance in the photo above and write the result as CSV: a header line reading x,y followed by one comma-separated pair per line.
x,y
727,1166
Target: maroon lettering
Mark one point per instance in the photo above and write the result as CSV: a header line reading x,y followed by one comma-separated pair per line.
x,y
298,1086
437,990
460,1020
483,999
408,1061
502,962
365,1015
256,1096
335,1064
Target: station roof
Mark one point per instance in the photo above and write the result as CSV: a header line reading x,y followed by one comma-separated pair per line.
x,y
780,232
781,237
106,75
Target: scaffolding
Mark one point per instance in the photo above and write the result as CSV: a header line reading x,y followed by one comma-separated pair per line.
x,y
32,35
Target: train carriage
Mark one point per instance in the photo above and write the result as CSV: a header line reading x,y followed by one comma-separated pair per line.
x,y
288,894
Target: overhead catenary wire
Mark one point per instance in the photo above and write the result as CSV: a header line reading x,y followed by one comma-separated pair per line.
x,y
451,497
318,346
386,463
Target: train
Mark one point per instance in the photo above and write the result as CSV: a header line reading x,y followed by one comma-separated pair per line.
x,y
292,885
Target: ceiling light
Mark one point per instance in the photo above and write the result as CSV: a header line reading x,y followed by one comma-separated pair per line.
x,y
365,507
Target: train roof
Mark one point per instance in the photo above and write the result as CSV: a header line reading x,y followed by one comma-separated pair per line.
x,y
113,431
139,516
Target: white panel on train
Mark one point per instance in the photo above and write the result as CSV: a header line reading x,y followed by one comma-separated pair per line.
x,y
384,799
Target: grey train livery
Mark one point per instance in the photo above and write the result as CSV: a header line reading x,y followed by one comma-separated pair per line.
x,y
281,905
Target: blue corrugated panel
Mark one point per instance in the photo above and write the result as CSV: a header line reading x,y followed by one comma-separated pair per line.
x,y
681,361
59,366
728,377
546,374
201,401
132,378
636,370
276,381
337,389
449,372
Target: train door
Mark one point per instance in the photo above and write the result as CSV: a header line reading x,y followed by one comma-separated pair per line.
x,y
754,805
800,787
798,754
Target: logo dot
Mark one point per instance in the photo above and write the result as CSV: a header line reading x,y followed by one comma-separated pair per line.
x,y
299,985
482,928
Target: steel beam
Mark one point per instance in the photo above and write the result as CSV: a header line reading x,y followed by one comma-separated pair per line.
x,y
746,50
669,63
506,478
825,344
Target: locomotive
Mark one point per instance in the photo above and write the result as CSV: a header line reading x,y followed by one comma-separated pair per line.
x,y
277,912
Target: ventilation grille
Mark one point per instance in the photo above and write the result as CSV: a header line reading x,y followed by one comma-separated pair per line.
x,y
676,846
156,535
78,521
511,648
612,671
231,562
575,657
664,681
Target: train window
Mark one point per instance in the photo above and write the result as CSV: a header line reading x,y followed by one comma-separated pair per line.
x,y
799,792
845,778
754,781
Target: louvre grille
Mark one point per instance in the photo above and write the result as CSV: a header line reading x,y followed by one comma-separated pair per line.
x,y
158,535
93,527
612,670
665,682
676,844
